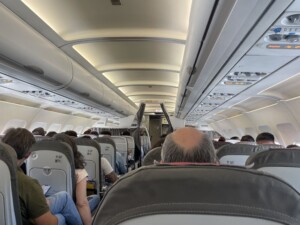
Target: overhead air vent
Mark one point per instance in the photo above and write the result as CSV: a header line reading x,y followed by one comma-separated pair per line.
x,y
243,78
39,93
293,19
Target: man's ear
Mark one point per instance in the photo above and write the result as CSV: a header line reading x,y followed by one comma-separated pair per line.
x,y
27,154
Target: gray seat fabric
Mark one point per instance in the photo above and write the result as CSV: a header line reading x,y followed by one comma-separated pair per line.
x,y
284,163
219,144
199,190
261,148
40,138
130,146
91,151
108,149
154,154
52,163
10,212
235,154
121,146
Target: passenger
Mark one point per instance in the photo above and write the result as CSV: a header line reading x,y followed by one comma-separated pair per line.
x,y
108,171
84,206
106,132
71,133
188,145
222,139
160,142
293,146
120,164
235,138
35,208
39,131
125,133
51,133
87,131
95,133
265,138
247,138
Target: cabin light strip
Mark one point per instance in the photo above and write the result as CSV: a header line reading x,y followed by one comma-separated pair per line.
x,y
297,74
290,99
265,107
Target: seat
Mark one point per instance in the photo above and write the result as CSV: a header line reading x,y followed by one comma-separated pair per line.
x,y
209,195
121,146
91,151
152,155
52,163
264,147
235,154
108,149
40,138
219,144
10,212
284,163
130,146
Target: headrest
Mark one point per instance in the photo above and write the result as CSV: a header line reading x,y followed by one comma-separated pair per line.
x,y
106,140
285,157
153,154
87,142
53,145
236,149
213,190
263,147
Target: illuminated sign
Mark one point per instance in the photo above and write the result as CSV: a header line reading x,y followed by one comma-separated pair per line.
x,y
283,46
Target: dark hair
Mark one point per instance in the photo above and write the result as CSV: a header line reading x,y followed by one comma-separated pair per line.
x,y
248,138
51,133
222,139
204,152
71,133
126,133
265,136
234,138
95,133
19,139
106,132
78,157
39,131
292,146
87,131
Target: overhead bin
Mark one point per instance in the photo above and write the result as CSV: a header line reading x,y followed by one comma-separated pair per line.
x,y
42,61
28,56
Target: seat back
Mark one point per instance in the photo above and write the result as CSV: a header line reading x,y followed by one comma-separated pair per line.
x,y
235,154
91,152
130,146
264,147
154,154
40,138
284,163
10,212
190,194
219,144
52,163
121,146
108,149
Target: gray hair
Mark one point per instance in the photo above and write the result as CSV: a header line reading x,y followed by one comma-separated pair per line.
x,y
202,153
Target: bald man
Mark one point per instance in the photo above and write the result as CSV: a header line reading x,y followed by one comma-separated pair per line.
x,y
188,145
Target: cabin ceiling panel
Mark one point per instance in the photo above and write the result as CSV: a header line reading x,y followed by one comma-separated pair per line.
x,y
149,90
140,77
256,103
285,90
134,18
106,56
229,113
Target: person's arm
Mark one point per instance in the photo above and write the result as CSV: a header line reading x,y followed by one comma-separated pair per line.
x,y
108,170
120,164
82,203
112,177
46,219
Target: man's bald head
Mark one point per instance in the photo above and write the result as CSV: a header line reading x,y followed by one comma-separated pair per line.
x,y
188,145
